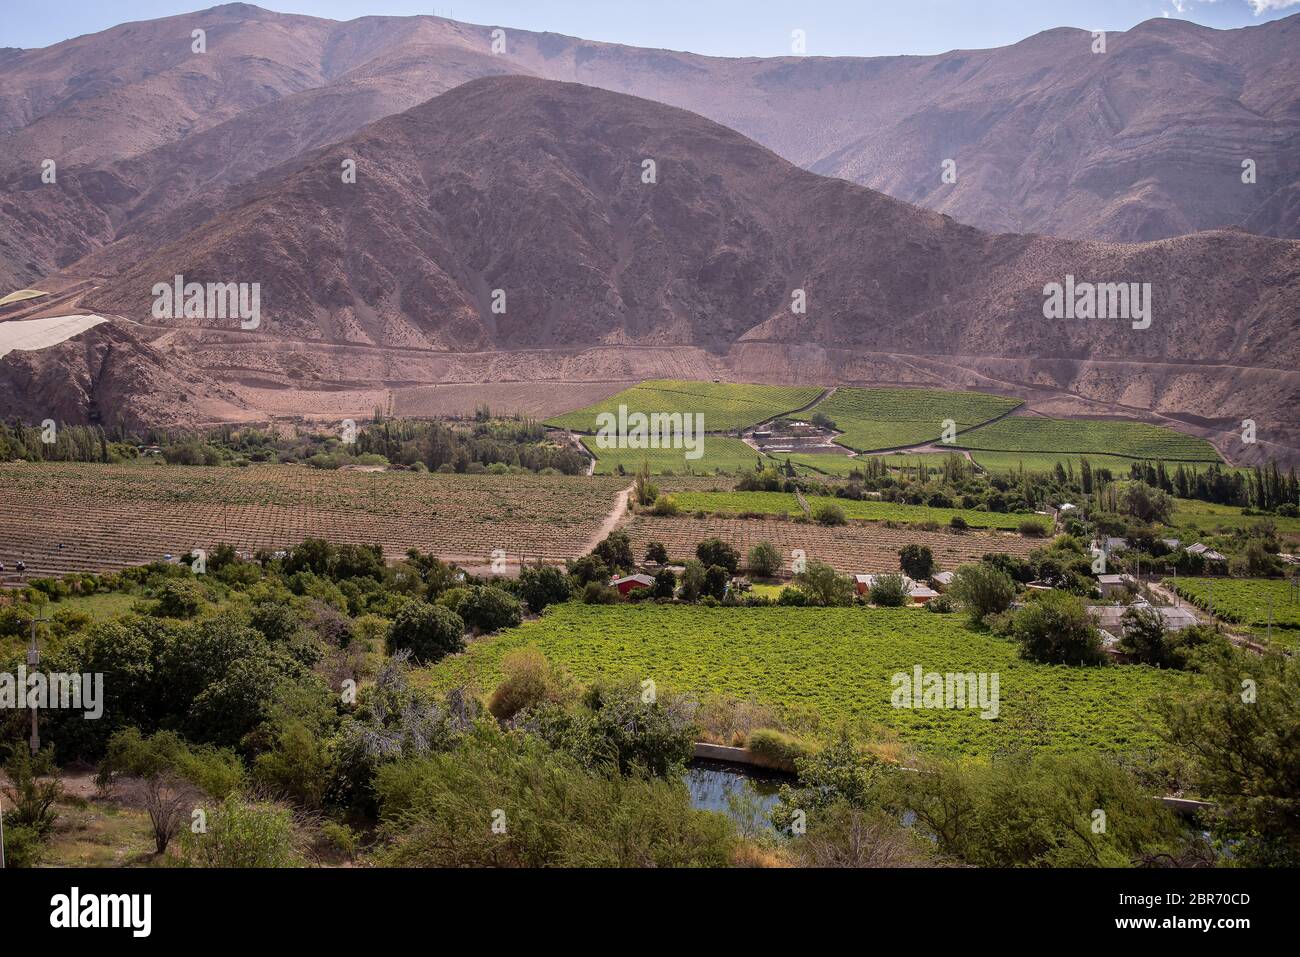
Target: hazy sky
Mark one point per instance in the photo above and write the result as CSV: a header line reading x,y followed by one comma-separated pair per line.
x,y
719,27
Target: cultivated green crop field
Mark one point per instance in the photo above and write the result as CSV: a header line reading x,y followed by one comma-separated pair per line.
x,y
725,406
888,418
842,465
720,454
1246,602
838,661
784,503
1024,433
1209,517
1005,462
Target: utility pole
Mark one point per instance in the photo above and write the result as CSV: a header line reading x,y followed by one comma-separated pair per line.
x,y
34,659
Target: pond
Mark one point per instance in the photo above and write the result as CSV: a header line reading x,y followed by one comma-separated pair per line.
x,y
745,795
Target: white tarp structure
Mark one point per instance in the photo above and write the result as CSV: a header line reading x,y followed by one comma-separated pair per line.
x,y
28,335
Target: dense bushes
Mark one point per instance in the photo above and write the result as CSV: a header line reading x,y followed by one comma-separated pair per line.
x,y
481,806
1055,629
429,632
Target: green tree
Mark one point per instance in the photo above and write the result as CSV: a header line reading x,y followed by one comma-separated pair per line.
x,y
487,609
714,551
430,632
1056,629
824,585
764,560
1237,725
983,589
542,586
916,561
615,550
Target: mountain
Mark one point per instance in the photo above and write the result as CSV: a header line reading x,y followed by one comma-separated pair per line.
x,y
1141,142
536,189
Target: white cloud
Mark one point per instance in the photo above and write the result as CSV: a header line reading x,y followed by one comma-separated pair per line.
x,y
1263,6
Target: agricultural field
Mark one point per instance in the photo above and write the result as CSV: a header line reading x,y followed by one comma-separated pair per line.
x,y
1074,437
721,454
837,662
1246,601
63,517
1209,517
852,549
842,465
784,503
1005,462
726,407
872,419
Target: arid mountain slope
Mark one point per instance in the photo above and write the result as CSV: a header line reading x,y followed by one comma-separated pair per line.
x,y
536,188
1144,141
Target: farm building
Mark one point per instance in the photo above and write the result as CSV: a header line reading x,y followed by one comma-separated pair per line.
x,y
1110,618
1206,552
917,591
943,578
628,582
1115,584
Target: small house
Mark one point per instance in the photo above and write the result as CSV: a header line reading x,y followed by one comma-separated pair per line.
x,y
628,582
1112,585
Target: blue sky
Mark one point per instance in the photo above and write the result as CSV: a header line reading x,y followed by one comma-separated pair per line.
x,y
718,27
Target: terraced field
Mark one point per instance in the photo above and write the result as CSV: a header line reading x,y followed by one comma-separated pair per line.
x,y
1134,440
61,517
783,503
872,419
855,548
1246,601
839,663
725,406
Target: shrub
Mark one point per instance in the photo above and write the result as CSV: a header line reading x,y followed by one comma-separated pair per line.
x,y
657,553
983,589
792,597
487,609
828,513
529,681
889,591
596,593
1032,529
433,812
764,560
275,620
1056,629
242,834
179,598
664,505
715,582
942,605
429,632
776,749
824,585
